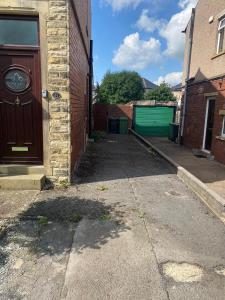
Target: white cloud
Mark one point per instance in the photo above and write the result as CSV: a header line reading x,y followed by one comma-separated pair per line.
x,y
172,31
155,5
137,54
171,78
147,23
118,5
185,3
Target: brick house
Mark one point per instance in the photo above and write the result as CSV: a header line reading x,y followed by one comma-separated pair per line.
x,y
203,122
45,78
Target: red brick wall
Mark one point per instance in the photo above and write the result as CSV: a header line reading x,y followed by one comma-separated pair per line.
x,y
195,116
102,112
79,71
83,8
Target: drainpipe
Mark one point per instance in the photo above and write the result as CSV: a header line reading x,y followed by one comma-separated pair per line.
x,y
90,87
187,77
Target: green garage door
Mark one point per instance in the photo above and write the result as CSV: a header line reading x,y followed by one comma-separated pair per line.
x,y
154,120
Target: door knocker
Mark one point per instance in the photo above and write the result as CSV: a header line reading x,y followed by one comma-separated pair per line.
x,y
17,101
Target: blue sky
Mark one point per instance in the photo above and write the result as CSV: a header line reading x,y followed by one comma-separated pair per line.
x,y
140,35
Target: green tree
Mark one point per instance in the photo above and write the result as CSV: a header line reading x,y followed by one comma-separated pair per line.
x,y
120,87
162,93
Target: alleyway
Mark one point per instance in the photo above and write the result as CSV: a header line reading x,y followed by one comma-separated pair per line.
x,y
129,229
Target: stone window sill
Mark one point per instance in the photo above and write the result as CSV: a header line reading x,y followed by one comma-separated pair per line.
x,y
221,138
218,55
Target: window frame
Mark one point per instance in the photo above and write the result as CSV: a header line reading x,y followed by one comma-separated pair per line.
x,y
223,128
220,29
22,18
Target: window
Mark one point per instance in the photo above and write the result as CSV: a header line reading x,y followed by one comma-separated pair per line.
x,y
223,127
17,80
221,36
18,32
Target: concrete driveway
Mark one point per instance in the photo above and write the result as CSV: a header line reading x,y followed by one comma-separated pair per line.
x,y
168,245
138,233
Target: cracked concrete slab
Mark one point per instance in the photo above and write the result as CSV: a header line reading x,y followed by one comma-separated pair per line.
x,y
124,267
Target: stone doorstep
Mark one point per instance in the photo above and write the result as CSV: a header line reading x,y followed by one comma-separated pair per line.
x,y
21,169
22,182
211,199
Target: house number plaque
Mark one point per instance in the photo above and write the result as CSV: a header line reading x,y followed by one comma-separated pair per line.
x,y
20,149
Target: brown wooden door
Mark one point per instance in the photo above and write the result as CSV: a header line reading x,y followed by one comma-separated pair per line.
x,y
20,107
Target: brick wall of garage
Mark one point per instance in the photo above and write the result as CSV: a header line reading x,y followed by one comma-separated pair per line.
x,y
78,75
102,112
195,116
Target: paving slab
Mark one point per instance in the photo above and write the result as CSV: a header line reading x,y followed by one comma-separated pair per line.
x,y
124,267
210,172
